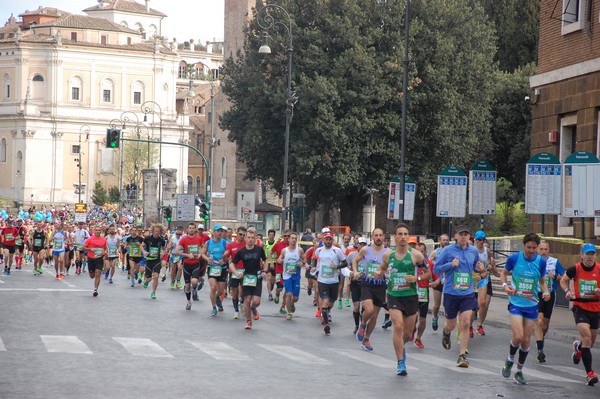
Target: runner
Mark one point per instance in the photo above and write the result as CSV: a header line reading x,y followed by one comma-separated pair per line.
x,y
292,258
271,260
190,247
96,249
154,245
457,262
175,264
528,271
9,236
487,259
373,287
58,242
234,280
134,247
438,284
355,282
213,252
277,248
423,293
403,301
81,234
554,272
20,241
254,270
586,306
112,245
38,239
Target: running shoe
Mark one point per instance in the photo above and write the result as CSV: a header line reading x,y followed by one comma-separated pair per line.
x,y
360,334
276,299
446,340
146,284
347,303
200,284
177,285
576,357
248,325
462,361
270,297
480,330
57,276
340,306
541,356
507,368
314,302
387,324
282,310
255,314
106,275
153,295
434,324
163,278
329,318
471,332
366,345
519,378
318,312
110,281
132,283
401,368
355,330
288,316
172,285
188,306
327,329
309,291
139,281
591,378
213,312
95,294
419,343
62,275
195,295
218,301
236,315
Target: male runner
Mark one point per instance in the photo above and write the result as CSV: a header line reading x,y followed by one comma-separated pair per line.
x,y
217,267
134,246
292,258
38,240
96,249
9,236
112,248
190,247
438,284
234,280
154,245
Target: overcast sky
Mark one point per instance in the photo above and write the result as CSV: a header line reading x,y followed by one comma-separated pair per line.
x,y
186,19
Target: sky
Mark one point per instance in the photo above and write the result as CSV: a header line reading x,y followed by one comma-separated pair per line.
x,y
200,20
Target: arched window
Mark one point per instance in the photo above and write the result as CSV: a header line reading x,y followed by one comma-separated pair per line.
x,y
137,93
38,87
76,85
125,24
152,30
190,185
182,70
223,168
3,150
138,27
106,91
198,184
38,78
6,86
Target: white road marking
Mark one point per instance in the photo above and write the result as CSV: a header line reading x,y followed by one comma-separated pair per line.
x,y
65,344
527,372
44,289
370,358
220,350
564,369
2,347
142,347
297,355
449,365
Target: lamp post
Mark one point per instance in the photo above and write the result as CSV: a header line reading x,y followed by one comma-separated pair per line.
x,y
148,108
125,118
83,129
402,171
268,22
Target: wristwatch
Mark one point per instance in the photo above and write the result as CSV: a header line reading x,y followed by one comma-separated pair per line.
x,y
419,278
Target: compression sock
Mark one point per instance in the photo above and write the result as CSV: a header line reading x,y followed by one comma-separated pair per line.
x,y
356,318
522,356
513,351
235,304
586,356
188,294
540,345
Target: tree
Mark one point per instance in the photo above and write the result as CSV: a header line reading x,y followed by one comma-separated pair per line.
x,y
99,195
114,195
136,157
347,70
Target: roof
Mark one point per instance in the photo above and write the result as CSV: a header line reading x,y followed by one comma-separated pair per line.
x,y
199,121
125,5
85,22
265,207
51,11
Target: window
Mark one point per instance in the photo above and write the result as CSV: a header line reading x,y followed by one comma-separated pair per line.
x,y
38,78
75,149
107,90
129,41
573,12
106,95
215,74
75,82
137,89
198,109
182,70
137,97
104,39
568,138
75,94
198,184
3,150
38,89
74,36
152,30
190,185
6,86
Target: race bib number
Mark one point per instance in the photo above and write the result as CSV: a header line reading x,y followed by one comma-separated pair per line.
x,y
423,293
462,281
37,242
153,253
235,276
193,249
9,237
525,286
214,270
549,283
135,251
398,282
327,271
371,269
98,252
112,250
19,241
587,288
79,246
175,259
290,268
278,276
58,243
250,280
361,267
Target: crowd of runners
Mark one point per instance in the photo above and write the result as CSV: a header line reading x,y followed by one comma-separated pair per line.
x,y
391,272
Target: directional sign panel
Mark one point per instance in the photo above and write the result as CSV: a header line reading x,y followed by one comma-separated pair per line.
x,y
482,189
185,207
246,203
410,189
543,185
581,194
393,211
452,193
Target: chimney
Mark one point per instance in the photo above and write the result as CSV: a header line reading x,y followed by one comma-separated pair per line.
x,y
147,5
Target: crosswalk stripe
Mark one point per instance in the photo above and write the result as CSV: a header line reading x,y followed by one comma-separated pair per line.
x,y
220,350
2,347
450,365
564,369
65,344
142,347
294,354
369,358
528,372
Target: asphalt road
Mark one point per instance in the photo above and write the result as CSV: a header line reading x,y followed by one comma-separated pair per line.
x,y
57,341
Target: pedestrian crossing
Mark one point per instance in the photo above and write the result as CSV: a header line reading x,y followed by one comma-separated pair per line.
x,y
230,352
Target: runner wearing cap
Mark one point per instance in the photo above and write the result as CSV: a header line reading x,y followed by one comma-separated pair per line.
x,y
483,282
217,267
586,306
175,264
458,262
293,259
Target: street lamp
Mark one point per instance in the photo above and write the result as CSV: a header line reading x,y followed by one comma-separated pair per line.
x,y
148,108
83,129
125,118
402,171
268,22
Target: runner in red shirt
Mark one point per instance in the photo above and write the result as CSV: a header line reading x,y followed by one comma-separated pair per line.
x,y
20,241
9,235
235,288
277,249
96,247
190,249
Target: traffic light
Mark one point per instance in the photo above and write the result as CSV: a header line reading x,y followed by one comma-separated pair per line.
x,y
113,138
204,211
168,213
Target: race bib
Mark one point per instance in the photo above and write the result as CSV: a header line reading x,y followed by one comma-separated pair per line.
x,y
398,282
250,280
549,283
234,275
371,269
525,286
423,293
135,251
587,288
79,246
462,281
361,267
98,252
19,241
278,276
153,253
327,271
214,270
175,259
112,250
58,243
290,268
9,237
37,242
193,249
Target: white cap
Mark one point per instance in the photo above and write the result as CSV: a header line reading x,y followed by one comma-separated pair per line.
x,y
200,226
362,240
224,228
325,230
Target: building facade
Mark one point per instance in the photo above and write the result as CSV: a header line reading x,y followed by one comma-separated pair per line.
x,y
565,96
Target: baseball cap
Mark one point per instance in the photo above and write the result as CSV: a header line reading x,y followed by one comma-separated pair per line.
x,y
325,230
223,228
412,240
588,248
217,227
462,229
328,234
479,235
362,240
200,226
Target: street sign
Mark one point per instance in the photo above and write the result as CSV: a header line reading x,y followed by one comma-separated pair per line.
x,y
581,194
185,207
452,193
543,184
218,194
246,202
80,208
482,189
299,195
80,217
410,188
